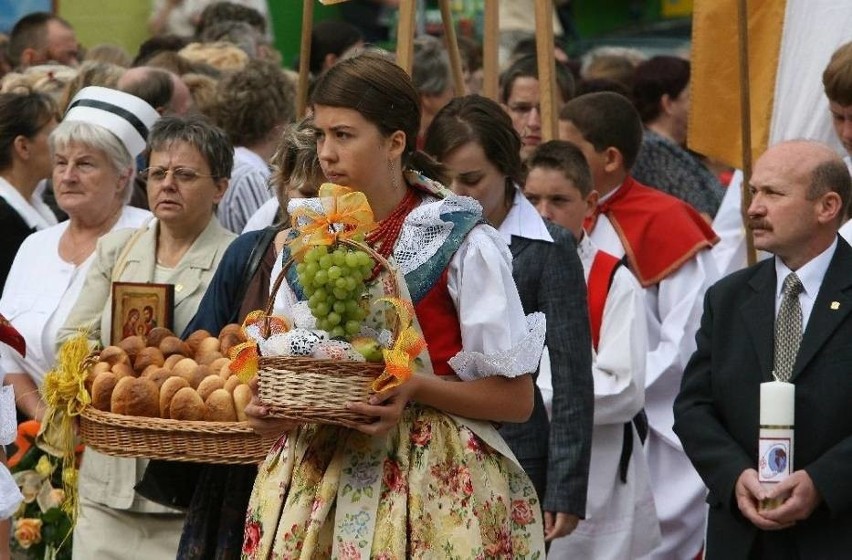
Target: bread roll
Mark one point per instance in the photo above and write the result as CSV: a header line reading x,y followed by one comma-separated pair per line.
x,y
147,371
123,370
242,397
97,369
206,346
225,371
147,357
173,345
232,383
102,388
208,358
132,345
136,397
228,341
194,339
172,360
100,367
167,391
184,367
187,405
114,355
196,376
208,385
220,407
156,336
158,375
216,365
231,328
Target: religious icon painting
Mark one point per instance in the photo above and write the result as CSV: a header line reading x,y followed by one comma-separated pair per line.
x,y
139,307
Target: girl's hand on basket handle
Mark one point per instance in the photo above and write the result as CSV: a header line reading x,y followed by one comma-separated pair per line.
x,y
386,407
258,416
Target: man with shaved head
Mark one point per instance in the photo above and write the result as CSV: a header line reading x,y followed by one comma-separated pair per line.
x,y
788,319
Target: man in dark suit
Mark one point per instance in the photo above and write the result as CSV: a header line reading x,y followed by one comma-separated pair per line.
x,y
800,192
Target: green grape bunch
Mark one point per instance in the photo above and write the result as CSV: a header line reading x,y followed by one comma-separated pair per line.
x,y
334,280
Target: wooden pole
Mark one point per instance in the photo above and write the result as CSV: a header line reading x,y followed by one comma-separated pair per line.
x,y
546,68
490,41
405,35
452,47
305,57
745,113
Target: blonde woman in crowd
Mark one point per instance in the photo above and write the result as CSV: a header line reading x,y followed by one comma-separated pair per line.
x,y
51,79
221,55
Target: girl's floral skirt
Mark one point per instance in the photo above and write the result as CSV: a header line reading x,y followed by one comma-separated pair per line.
x,y
432,488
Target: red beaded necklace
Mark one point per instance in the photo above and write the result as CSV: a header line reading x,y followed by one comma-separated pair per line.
x,y
383,237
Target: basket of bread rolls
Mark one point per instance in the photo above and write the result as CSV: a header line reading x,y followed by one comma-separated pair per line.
x,y
160,397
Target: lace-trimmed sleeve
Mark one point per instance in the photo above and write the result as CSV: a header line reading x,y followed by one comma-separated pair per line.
x,y
497,338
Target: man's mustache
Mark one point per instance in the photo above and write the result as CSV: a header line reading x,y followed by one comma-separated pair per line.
x,y
759,223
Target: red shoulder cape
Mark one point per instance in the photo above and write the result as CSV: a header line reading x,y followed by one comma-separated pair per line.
x,y
659,232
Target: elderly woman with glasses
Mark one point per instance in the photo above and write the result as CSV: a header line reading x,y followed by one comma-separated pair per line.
x,y
190,164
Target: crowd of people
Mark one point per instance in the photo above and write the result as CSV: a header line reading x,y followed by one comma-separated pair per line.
x,y
591,377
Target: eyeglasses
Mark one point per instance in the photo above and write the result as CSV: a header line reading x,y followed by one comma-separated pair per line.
x,y
181,175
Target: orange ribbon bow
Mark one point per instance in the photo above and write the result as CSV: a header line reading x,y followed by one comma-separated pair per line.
x,y
346,214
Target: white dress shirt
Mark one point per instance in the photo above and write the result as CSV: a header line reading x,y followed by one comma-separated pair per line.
x,y
811,275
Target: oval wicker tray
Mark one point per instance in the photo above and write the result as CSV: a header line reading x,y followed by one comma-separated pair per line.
x,y
173,440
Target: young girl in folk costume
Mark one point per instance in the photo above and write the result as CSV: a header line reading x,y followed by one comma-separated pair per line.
x,y
429,476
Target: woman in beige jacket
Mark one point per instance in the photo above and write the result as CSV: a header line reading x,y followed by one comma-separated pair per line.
x,y
190,164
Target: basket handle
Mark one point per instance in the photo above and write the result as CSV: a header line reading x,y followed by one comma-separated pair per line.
x,y
265,327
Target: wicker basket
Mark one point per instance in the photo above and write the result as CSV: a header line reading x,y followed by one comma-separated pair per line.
x,y
310,390
174,440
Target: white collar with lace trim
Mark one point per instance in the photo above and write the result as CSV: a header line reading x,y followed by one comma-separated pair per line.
x,y
523,220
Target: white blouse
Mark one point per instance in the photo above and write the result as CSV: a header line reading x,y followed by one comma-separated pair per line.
x,y
41,290
34,211
498,339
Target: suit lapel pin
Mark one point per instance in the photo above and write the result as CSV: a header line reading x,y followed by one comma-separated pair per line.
x,y
179,287
835,305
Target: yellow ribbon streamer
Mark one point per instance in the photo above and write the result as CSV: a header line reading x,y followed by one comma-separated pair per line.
x,y
244,360
65,394
407,346
346,214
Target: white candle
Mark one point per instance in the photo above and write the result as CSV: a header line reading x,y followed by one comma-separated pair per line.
x,y
777,423
777,404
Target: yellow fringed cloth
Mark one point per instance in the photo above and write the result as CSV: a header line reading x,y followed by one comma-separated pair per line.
x,y
66,396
